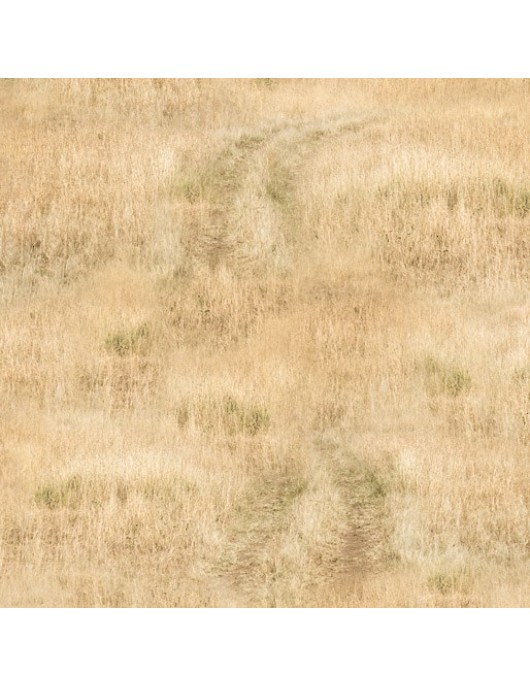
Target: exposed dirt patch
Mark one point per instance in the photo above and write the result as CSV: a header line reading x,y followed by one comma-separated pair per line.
x,y
363,547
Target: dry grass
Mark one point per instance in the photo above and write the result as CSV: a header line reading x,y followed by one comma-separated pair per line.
x,y
264,342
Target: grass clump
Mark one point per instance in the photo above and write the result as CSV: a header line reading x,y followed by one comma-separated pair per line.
x,y
95,491
192,188
447,583
448,379
134,341
240,419
65,494
510,198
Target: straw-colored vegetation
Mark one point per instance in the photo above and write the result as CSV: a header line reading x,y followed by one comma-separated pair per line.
x,y
264,343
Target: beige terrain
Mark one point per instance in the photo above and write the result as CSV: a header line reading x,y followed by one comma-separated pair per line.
x,y
264,343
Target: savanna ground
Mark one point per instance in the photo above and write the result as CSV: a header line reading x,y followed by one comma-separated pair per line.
x,y
264,343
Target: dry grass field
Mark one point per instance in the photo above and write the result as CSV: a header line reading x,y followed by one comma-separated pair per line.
x,y
264,343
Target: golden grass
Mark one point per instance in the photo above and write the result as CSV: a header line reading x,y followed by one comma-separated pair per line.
x,y
264,343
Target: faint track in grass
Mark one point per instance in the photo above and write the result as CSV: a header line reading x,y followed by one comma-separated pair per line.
x,y
248,572
363,547
253,571
223,235
265,540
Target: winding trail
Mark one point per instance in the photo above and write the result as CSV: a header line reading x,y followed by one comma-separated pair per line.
x,y
249,188
249,185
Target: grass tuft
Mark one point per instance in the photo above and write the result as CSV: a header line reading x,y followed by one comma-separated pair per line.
x,y
444,378
134,341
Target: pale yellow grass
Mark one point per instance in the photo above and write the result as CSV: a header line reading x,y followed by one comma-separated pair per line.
x,y
264,343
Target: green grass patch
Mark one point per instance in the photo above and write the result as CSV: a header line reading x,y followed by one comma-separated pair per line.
x,y
443,378
64,494
133,341
447,583
475,194
192,188
248,142
510,198
239,418
94,491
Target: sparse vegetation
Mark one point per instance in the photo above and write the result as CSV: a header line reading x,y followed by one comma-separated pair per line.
x,y
127,342
446,378
264,342
65,494
251,420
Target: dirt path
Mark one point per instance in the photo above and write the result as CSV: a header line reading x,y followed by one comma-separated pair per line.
x,y
363,548
252,571
248,191
268,561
